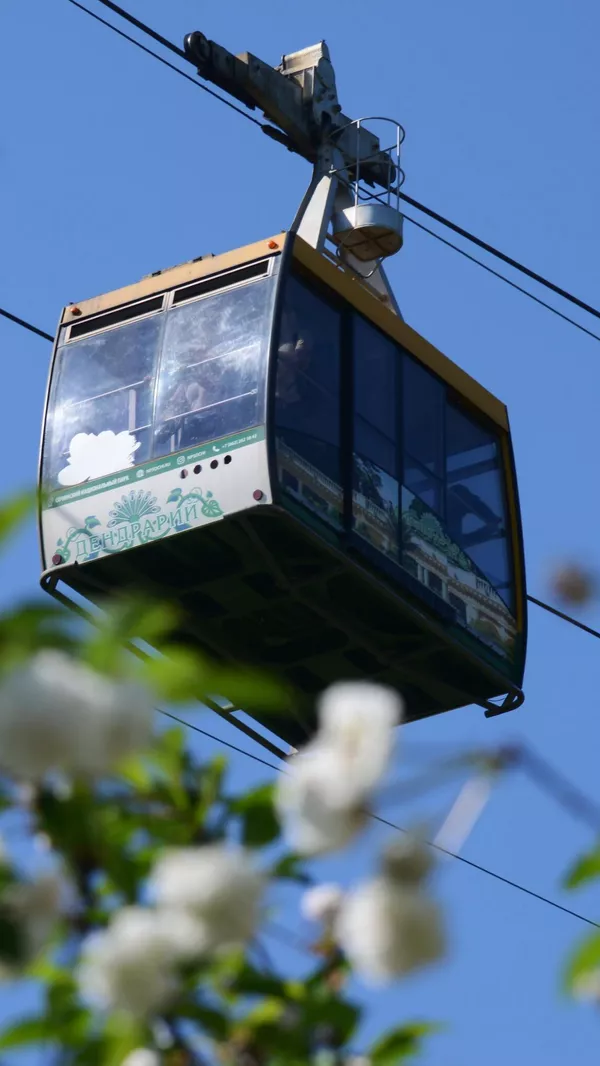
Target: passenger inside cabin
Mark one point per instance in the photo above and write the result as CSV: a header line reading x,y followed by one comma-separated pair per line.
x,y
307,393
293,359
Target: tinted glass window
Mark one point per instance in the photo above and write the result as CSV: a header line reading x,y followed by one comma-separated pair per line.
x,y
375,498
307,401
100,406
454,536
475,511
213,367
423,417
423,484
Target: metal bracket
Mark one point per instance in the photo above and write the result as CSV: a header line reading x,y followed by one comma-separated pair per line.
x,y
300,98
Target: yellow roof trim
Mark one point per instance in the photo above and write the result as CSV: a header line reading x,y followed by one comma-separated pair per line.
x,y
372,308
173,277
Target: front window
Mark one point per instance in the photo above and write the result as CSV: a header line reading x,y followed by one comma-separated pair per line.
x,y
158,385
213,366
100,409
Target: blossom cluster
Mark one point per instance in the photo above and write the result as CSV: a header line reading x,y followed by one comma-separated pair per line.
x,y
389,925
205,900
57,714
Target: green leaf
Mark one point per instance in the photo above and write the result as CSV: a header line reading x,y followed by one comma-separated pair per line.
x,y
584,960
179,675
125,620
168,761
275,1029
400,1044
123,1034
585,869
343,1017
136,771
12,937
32,627
25,1031
249,689
270,1010
63,820
14,511
288,869
250,982
66,1017
211,783
259,821
212,1021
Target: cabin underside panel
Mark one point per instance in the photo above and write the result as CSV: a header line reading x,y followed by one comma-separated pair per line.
x,y
260,588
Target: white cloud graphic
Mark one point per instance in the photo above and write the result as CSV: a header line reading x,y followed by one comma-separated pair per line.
x,y
96,455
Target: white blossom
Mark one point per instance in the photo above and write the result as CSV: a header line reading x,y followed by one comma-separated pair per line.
x,y
131,965
142,1056
94,455
218,885
387,930
322,903
318,811
407,860
323,798
59,714
34,907
357,718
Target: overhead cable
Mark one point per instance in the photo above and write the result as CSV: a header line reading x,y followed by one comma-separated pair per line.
x,y
437,847
502,277
496,876
155,55
489,248
26,325
533,599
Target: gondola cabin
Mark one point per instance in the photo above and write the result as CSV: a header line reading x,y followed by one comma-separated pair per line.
x,y
258,438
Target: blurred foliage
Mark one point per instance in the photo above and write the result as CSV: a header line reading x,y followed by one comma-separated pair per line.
x,y
107,836
236,1006
574,584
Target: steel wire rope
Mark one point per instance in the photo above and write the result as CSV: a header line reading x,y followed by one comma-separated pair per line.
x,y
161,59
438,847
468,236
532,599
478,241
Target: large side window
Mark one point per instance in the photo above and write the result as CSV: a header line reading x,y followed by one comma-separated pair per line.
x,y
454,536
375,495
100,406
213,367
307,402
475,508
423,428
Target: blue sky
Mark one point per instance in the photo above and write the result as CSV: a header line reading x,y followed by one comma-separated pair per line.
x,y
112,167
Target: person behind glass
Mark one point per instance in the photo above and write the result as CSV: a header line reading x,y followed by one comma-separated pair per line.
x,y
293,359
180,413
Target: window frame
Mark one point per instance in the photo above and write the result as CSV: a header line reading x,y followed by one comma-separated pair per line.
x,y
353,542
132,313
339,306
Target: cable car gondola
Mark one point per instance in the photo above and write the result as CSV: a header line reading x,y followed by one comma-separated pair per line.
x,y
260,437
